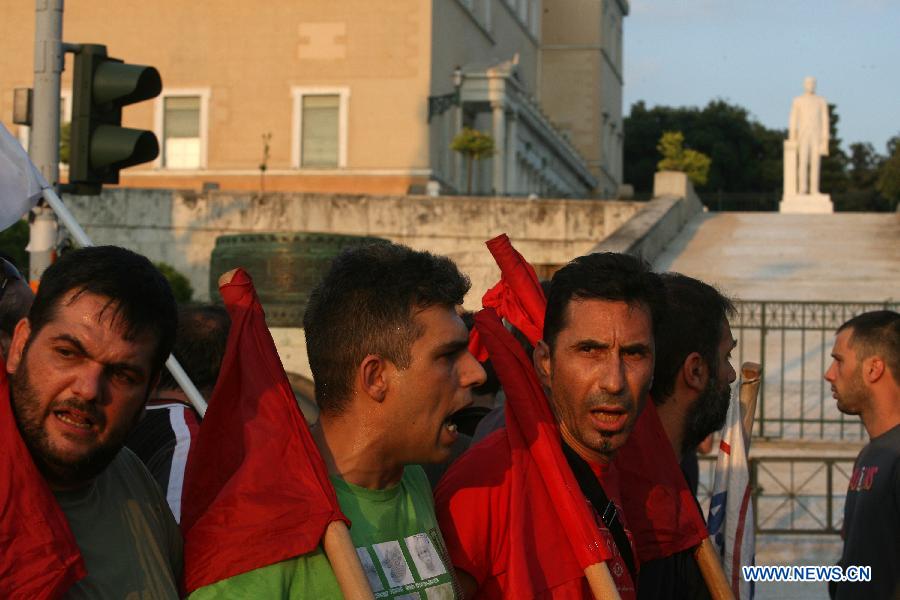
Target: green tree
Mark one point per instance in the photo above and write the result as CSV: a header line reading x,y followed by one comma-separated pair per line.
x,y
678,158
745,155
834,177
181,287
13,242
65,134
888,184
473,145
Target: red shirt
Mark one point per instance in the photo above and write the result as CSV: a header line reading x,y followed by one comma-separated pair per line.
x,y
482,518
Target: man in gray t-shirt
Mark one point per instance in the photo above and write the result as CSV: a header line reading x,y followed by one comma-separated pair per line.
x,y
865,381
81,366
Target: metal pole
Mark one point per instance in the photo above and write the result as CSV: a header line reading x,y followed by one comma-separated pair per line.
x,y
44,144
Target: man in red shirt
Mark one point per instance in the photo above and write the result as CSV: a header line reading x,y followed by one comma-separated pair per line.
x,y
596,362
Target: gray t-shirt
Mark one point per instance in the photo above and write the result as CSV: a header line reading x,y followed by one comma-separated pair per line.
x,y
872,519
129,540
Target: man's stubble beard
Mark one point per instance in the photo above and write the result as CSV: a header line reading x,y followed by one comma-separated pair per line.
x,y
707,415
55,469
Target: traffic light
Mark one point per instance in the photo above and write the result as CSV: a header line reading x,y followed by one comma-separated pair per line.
x,y
99,145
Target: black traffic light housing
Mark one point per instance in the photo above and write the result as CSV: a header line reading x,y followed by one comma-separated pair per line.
x,y
99,145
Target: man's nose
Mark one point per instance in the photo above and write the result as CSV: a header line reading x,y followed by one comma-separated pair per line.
x,y
88,381
829,374
472,373
612,375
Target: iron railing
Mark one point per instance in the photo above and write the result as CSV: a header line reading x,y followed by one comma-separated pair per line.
x,y
791,495
792,341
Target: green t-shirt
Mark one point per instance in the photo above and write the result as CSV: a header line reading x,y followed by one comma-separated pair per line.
x,y
397,540
127,535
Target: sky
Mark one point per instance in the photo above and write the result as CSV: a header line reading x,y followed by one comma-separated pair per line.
x,y
755,54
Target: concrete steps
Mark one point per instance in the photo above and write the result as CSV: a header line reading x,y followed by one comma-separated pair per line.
x,y
851,257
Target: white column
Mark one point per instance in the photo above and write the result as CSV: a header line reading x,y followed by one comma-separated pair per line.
x,y
513,185
499,162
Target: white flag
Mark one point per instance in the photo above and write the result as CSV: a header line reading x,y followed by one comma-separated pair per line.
x,y
730,520
21,184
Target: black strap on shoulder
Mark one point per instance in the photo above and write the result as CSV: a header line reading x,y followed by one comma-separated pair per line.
x,y
593,491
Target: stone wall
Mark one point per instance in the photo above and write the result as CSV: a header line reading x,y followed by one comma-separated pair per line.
x,y
181,227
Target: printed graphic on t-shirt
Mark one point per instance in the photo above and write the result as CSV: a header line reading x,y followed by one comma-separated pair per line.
x,y
393,563
412,568
369,567
862,478
427,561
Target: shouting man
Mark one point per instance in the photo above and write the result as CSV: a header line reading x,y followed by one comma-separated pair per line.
x,y
389,356
82,365
596,361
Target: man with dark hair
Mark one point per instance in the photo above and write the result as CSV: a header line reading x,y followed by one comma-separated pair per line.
x,y
162,438
389,356
865,381
596,361
691,392
15,301
693,374
81,368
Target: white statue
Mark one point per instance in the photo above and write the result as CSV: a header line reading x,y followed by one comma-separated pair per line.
x,y
809,130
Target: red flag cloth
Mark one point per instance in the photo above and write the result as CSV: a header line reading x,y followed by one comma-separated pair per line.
x,y
534,439
661,510
256,490
39,557
518,296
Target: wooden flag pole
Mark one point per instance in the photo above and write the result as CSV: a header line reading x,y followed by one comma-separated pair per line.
x,y
751,377
601,582
345,563
711,568
705,555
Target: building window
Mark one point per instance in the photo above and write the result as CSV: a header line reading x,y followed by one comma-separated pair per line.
x,y
181,127
320,128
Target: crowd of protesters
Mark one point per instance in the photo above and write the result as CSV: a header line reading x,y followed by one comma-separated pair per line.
x,y
110,431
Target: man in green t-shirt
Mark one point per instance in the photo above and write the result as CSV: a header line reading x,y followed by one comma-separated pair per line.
x,y
389,355
81,366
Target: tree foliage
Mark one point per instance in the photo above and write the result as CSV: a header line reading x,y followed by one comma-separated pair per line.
x,y
747,157
473,145
678,158
181,286
888,183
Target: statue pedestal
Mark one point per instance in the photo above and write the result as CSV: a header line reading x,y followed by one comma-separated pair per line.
x,y
806,204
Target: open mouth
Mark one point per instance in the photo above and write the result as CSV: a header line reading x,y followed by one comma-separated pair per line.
x,y
74,419
609,420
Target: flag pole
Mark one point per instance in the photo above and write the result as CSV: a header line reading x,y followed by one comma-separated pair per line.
x,y
64,215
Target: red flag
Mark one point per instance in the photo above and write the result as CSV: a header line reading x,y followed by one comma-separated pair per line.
x,y
518,296
534,439
39,557
256,490
660,508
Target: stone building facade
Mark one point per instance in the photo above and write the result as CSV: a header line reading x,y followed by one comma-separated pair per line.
x,y
358,96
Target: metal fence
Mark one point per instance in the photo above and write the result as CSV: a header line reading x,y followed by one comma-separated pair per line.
x,y
792,341
792,495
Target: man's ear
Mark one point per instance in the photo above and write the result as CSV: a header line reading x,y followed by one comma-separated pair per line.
x,y
694,372
372,377
541,358
872,369
17,347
